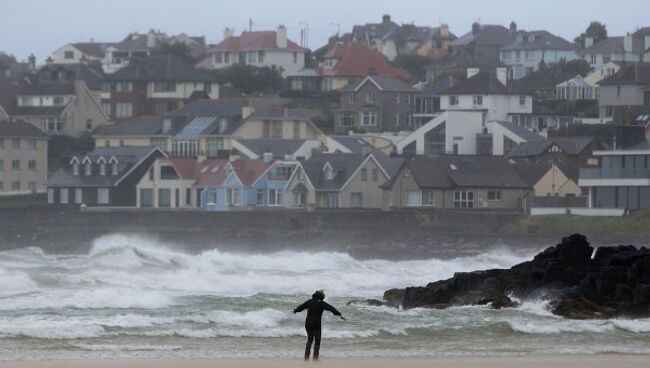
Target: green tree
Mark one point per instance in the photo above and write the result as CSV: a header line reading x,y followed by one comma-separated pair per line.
x,y
179,50
596,29
251,79
414,64
574,67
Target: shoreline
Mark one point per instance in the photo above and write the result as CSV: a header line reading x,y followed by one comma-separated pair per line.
x,y
574,361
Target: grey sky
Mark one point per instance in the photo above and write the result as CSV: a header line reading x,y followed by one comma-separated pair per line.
x,y
41,26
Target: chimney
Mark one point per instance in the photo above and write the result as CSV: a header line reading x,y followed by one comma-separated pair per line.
x,y
281,37
472,72
502,75
267,157
589,41
444,30
627,43
247,109
646,43
83,60
227,33
513,26
31,60
151,39
49,60
385,18
476,28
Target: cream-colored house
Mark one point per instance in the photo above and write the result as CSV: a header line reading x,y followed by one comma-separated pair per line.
x,y
23,158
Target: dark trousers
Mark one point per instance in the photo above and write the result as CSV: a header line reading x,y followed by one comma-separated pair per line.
x,y
313,335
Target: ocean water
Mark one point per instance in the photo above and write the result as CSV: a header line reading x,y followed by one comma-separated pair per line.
x,y
131,297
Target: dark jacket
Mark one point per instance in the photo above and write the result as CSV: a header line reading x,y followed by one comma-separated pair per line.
x,y
315,307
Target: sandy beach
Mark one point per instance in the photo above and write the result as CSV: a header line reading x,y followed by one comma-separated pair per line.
x,y
485,362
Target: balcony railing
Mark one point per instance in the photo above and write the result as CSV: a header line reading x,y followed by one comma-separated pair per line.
x,y
609,173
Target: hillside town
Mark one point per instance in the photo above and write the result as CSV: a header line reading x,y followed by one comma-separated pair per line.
x,y
386,116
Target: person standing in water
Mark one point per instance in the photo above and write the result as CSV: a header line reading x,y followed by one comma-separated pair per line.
x,y
315,307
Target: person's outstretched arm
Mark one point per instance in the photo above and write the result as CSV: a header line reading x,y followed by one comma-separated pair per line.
x,y
334,311
301,307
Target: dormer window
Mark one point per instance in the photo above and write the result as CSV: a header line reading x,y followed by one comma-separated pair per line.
x,y
167,125
370,97
102,168
114,167
88,169
75,168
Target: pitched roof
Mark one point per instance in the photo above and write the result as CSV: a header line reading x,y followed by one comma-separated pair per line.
x,y
384,82
614,45
375,30
95,49
638,73
531,172
68,73
255,40
160,68
524,133
278,147
489,34
9,98
20,129
536,40
343,164
127,157
140,126
209,107
195,128
439,86
357,60
208,173
541,79
248,171
138,42
568,145
481,83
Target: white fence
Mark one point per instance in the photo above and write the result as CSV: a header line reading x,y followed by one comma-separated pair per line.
x,y
539,211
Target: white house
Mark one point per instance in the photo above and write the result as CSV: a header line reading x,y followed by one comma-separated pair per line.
x,y
71,53
256,48
531,48
630,48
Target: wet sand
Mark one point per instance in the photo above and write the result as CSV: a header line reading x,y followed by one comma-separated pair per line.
x,y
599,361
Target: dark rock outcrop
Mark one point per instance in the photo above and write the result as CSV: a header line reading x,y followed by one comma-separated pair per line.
x,y
616,281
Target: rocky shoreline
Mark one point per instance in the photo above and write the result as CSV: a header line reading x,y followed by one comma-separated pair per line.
x,y
578,283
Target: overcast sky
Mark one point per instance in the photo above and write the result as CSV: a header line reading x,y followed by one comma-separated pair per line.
x,y
41,26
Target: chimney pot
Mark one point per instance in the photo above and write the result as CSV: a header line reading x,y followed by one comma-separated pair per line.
x,y
476,28
385,18
281,37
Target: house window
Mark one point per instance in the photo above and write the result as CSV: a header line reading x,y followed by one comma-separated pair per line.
x,y
522,100
494,195
102,169
478,100
15,186
618,91
427,198
146,197
260,197
114,167
351,98
15,164
78,195
68,54
260,57
232,196
57,100
31,186
295,57
106,87
64,196
397,98
375,175
15,143
31,165
329,173
266,129
370,97
276,131
164,198
226,58
124,86
463,199
218,57
50,194
164,86
299,199
75,169
88,169
396,119
214,145
346,120
188,196
275,197
364,174
368,118
252,57
296,129
123,110
413,198
453,100
356,200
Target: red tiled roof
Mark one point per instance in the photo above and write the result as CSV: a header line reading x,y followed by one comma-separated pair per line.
x,y
203,172
357,60
256,40
249,170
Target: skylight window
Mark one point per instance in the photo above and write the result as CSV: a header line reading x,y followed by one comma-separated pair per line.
x,y
452,167
205,169
215,169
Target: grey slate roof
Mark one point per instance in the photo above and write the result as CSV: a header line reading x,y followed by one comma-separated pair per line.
x,y
69,73
538,40
568,145
614,45
489,34
524,133
20,129
208,107
95,49
161,68
196,127
481,83
278,147
140,126
127,157
386,83
356,144
630,74
436,88
344,165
